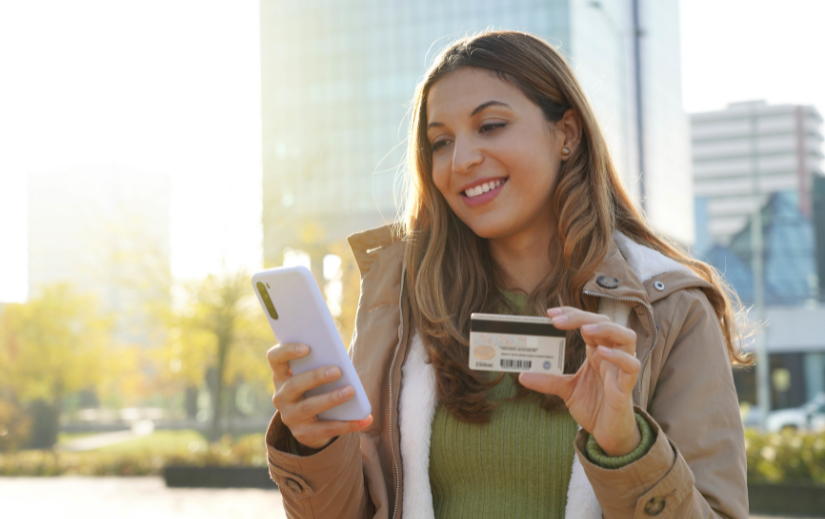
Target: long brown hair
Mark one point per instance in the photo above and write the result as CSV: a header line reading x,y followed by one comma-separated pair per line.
x,y
450,272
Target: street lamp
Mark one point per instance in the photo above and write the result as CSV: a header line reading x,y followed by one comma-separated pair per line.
x,y
763,393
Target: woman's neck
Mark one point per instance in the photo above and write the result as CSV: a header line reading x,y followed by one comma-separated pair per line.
x,y
524,258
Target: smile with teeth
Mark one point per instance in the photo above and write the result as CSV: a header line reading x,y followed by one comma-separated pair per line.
x,y
482,188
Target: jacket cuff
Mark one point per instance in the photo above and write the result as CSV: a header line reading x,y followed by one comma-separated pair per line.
x,y
296,448
656,476
299,476
596,454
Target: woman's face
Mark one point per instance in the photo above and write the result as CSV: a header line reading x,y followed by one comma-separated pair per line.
x,y
495,157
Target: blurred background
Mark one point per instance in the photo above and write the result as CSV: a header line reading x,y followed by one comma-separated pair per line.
x,y
154,154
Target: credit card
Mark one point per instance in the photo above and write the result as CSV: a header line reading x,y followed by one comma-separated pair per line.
x,y
516,344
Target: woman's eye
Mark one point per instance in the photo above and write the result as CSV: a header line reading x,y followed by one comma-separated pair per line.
x,y
438,145
492,126
486,128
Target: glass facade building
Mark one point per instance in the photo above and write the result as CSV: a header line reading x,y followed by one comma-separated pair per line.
x,y
338,77
789,255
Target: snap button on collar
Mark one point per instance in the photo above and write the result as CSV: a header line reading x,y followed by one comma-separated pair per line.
x,y
655,506
607,282
659,286
294,486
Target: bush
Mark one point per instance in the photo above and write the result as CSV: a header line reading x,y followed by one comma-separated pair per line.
x,y
15,426
47,463
247,451
786,457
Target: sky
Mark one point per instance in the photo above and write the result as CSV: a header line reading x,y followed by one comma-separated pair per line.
x,y
740,50
167,86
174,86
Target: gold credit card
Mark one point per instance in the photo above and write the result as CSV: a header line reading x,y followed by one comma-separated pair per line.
x,y
516,344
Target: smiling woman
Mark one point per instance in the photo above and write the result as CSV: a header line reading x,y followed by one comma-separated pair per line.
x,y
515,207
495,161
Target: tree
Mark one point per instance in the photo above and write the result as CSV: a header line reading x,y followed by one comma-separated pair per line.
x,y
50,347
218,334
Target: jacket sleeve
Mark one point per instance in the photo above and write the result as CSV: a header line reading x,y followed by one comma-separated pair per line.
x,y
328,484
696,467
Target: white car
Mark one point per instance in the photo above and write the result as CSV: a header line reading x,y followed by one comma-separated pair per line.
x,y
808,417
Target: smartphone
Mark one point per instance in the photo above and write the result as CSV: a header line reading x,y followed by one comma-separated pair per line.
x,y
297,312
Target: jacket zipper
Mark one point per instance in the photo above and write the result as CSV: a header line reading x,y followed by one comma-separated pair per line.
x,y
653,327
392,369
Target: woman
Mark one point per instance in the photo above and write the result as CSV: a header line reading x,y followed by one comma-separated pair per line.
x,y
516,207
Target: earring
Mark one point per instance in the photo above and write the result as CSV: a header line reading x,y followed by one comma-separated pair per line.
x,y
565,151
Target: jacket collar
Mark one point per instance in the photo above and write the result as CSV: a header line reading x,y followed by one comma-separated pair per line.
x,y
365,243
630,271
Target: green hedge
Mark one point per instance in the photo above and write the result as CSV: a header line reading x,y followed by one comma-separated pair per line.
x,y
787,457
247,451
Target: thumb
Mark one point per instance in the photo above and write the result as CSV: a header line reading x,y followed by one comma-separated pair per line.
x,y
560,385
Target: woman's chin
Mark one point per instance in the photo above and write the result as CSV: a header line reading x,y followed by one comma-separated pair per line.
x,y
489,230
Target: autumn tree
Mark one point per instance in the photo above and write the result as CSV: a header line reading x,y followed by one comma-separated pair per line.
x,y
217,334
50,347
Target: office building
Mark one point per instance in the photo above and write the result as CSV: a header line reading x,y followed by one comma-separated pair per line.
x,y
105,231
746,152
338,78
754,155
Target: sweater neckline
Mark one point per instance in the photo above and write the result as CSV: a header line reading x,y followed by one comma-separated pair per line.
x,y
516,299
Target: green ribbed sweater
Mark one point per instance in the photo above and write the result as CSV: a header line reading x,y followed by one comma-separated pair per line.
x,y
516,466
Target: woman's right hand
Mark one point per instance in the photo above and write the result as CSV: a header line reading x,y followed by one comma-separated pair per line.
x,y
299,414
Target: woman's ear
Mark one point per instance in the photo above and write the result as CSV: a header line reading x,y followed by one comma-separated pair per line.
x,y
569,132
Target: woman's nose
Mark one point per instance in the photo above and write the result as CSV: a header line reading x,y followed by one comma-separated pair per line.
x,y
465,156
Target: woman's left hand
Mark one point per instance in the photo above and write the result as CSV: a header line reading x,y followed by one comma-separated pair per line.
x,y
599,396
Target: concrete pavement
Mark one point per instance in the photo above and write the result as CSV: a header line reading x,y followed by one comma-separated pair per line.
x,y
130,498
134,498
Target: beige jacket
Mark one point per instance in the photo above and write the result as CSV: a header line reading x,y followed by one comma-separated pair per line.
x,y
696,467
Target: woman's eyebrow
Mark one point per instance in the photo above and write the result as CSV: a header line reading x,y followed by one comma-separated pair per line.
x,y
482,106
478,108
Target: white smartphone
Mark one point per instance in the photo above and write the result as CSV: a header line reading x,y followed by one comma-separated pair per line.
x,y
297,312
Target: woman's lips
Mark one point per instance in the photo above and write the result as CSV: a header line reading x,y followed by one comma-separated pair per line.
x,y
483,198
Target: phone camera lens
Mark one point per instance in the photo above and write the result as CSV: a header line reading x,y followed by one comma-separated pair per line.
x,y
267,300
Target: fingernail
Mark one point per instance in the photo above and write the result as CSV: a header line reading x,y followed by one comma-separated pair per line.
x,y
553,311
345,391
303,348
562,319
331,372
590,328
